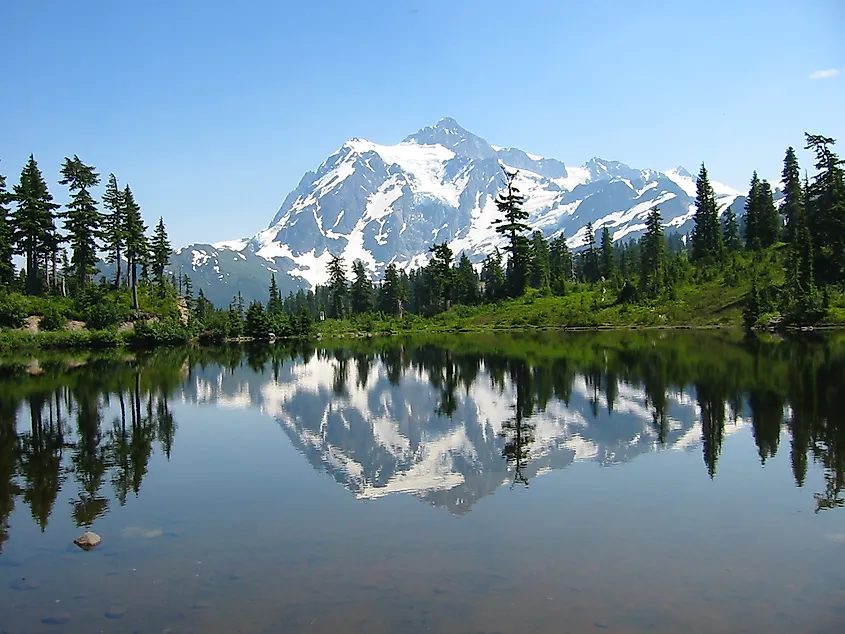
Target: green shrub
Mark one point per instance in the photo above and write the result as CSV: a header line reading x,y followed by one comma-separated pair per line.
x,y
53,319
160,331
13,311
105,314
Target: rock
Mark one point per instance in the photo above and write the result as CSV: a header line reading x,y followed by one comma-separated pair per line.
x,y
202,605
24,584
88,541
57,619
115,611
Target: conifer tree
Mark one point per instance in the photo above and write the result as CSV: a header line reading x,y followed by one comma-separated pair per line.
x,y
114,225
82,219
7,269
653,256
442,276
540,261
512,224
768,218
256,321
607,263
361,291
560,264
392,293
793,193
801,285
730,231
34,229
592,270
160,250
134,233
338,290
274,301
466,282
825,205
493,277
707,234
752,214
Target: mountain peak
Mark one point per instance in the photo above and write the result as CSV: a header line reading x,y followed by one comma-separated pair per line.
x,y
682,171
449,133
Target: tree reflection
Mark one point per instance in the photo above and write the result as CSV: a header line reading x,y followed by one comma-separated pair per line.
x,y
518,432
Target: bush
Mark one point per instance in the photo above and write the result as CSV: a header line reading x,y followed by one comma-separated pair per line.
x,y
161,331
13,311
53,319
104,315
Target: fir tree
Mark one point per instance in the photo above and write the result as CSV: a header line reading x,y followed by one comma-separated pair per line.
x,y
607,263
82,219
114,224
825,205
337,287
802,296
466,282
256,322
34,229
274,301
160,250
730,231
134,232
540,261
591,268
560,264
442,278
512,224
793,193
707,234
188,291
361,291
493,277
752,214
392,293
768,218
653,256
7,269
203,308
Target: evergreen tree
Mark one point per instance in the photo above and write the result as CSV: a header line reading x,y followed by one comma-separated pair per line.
x,y
7,269
160,250
466,282
752,214
591,268
203,308
707,235
361,292
34,229
753,307
730,231
256,322
560,264
392,293
608,262
768,218
802,296
512,224
114,224
825,205
338,289
441,276
188,291
653,256
134,233
493,277
82,219
274,301
540,261
793,193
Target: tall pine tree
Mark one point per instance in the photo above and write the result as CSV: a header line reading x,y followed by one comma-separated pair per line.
x,y
338,290
512,224
707,243
540,264
752,214
361,290
653,256
134,233
560,264
274,301
769,220
466,282
392,294
114,225
33,219
592,270
7,269
607,263
82,219
493,277
730,231
160,250
793,193
825,204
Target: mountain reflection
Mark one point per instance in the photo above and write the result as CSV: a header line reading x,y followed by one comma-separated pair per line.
x,y
449,419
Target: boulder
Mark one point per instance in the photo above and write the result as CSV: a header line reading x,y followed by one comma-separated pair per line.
x,y
88,540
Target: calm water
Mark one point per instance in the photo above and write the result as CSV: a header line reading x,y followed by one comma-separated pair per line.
x,y
622,482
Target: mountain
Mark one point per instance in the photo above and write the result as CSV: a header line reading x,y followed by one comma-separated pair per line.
x,y
389,203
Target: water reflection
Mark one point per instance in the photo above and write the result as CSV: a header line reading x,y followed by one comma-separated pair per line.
x,y
447,419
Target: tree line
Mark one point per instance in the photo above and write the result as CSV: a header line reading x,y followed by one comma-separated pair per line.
x,y
804,233
63,261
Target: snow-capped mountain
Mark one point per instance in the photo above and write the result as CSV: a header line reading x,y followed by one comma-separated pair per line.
x,y
389,203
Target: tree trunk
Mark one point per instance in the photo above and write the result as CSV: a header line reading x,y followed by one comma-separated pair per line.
x,y
117,277
134,271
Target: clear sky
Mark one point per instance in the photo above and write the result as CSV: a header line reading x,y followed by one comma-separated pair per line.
x,y
213,110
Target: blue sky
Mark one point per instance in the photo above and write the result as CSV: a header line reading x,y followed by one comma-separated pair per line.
x,y
212,111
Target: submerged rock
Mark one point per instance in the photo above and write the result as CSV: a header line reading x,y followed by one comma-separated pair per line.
x,y
88,541
115,611
24,584
57,619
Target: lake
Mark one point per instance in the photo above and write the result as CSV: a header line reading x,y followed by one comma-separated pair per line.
x,y
552,482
